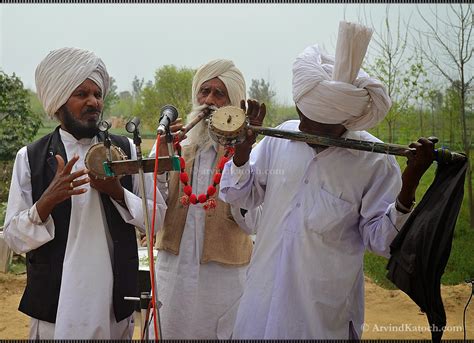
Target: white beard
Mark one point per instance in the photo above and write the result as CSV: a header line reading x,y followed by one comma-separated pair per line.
x,y
199,134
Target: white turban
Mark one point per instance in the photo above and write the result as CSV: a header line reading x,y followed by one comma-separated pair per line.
x,y
62,71
227,72
340,92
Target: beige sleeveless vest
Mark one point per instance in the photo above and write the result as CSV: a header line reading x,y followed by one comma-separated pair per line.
x,y
224,241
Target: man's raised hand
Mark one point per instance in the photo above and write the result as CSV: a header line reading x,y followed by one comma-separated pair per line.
x,y
62,187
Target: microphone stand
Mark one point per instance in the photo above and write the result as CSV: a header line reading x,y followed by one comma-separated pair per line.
x,y
169,141
137,141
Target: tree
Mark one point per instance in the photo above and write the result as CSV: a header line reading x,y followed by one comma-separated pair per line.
x,y
36,105
448,47
18,123
396,71
261,91
124,107
435,98
171,86
451,111
111,98
137,86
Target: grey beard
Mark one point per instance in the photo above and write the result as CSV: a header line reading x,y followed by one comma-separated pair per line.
x,y
199,134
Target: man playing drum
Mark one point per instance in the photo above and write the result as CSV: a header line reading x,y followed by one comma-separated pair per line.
x,y
77,231
325,206
203,251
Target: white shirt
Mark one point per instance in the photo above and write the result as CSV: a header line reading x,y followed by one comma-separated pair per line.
x,y
85,301
200,301
305,279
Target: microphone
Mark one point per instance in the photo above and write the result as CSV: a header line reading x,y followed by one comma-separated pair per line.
x,y
168,114
132,125
103,126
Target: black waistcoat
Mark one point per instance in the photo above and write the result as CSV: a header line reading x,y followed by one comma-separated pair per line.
x,y
45,264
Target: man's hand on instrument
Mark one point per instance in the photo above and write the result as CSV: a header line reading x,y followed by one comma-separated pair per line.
x,y
110,186
62,187
256,113
419,160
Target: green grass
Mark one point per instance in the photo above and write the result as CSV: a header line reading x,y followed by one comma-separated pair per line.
x,y
18,265
461,260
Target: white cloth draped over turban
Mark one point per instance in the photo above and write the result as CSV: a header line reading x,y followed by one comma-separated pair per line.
x,y
337,91
227,72
62,71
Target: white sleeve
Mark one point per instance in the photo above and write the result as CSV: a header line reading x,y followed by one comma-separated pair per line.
x,y
245,186
23,230
134,213
380,221
162,179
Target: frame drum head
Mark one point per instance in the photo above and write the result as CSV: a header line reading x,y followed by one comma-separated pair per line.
x,y
96,156
227,125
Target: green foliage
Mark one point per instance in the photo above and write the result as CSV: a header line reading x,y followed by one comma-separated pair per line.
x,y
18,123
405,84
5,179
17,265
36,105
261,91
171,86
124,106
278,114
111,98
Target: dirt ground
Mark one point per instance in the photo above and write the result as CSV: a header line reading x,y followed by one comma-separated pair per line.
x,y
389,314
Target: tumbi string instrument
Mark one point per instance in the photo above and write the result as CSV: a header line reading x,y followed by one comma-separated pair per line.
x,y
107,160
228,126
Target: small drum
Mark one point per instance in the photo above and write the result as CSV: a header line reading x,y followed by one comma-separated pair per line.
x,y
97,155
227,125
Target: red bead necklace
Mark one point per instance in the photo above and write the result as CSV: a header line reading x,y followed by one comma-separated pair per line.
x,y
204,198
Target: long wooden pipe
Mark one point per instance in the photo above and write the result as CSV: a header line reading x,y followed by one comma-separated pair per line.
x,y
442,155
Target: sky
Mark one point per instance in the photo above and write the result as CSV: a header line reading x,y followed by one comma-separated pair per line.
x,y
136,39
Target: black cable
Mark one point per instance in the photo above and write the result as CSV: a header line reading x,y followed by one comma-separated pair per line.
x,y
465,308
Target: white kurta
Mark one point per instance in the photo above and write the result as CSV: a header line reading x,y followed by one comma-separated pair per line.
x,y
200,301
305,279
85,307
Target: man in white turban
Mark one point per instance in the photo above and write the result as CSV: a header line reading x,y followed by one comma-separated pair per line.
x,y
203,254
323,205
77,231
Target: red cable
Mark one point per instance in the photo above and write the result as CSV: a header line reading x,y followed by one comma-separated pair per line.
x,y
152,262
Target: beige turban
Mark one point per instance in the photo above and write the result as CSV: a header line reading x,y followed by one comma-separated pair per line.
x,y
62,71
227,72
337,91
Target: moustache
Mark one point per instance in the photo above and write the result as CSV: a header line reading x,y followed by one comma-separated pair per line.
x,y
91,110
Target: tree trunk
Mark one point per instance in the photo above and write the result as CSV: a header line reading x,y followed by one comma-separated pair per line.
x,y
422,131
390,135
467,150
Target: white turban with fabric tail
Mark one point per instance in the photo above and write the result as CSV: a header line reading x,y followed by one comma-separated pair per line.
x,y
335,90
62,71
227,72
